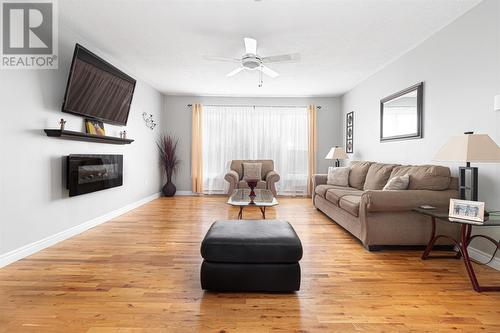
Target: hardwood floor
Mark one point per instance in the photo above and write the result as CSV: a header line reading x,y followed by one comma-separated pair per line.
x,y
140,273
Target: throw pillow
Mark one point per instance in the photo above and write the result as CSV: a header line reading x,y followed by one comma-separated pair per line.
x,y
377,176
397,183
338,176
252,171
358,172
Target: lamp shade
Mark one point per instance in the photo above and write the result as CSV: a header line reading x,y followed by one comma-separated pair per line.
x,y
497,103
469,148
336,153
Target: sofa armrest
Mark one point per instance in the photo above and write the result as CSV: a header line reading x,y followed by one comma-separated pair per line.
x,y
272,176
232,177
405,200
319,179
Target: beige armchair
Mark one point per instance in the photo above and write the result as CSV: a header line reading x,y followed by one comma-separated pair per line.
x,y
268,181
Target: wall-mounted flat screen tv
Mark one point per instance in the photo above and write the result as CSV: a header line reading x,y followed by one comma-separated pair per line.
x,y
97,90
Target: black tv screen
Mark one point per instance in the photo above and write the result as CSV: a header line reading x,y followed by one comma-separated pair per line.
x,y
97,90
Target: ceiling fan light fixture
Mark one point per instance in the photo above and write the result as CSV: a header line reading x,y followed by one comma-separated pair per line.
x,y
251,62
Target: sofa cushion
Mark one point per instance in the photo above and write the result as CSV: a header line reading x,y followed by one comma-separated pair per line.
x,y
338,176
378,175
350,203
260,241
335,194
358,172
321,189
397,183
424,177
453,183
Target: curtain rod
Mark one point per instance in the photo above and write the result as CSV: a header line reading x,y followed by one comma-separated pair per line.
x,y
266,106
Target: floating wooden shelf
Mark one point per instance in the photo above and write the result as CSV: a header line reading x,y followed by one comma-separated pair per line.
x,y
80,136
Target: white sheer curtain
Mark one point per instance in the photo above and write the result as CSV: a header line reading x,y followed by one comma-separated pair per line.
x,y
247,132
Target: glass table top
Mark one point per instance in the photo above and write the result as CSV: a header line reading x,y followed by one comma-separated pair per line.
x,y
492,220
263,198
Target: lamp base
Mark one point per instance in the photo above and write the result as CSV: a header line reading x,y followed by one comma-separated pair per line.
x,y
468,183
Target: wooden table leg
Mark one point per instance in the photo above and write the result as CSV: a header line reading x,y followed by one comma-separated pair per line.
x,y
433,240
263,211
465,233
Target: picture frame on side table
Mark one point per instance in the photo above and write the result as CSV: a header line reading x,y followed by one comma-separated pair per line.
x,y
349,133
466,210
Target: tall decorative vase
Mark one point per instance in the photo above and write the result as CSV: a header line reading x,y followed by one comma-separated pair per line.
x,y
169,189
167,146
252,183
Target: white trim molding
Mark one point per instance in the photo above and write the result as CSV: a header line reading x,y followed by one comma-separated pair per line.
x,y
484,257
184,193
29,249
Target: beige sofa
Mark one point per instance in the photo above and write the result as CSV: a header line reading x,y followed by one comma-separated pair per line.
x,y
268,181
380,218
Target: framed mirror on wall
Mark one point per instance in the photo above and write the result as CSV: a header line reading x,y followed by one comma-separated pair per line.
x,y
401,114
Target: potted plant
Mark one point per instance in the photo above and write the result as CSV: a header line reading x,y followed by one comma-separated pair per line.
x,y
167,146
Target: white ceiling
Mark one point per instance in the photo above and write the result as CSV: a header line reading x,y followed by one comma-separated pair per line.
x,y
341,42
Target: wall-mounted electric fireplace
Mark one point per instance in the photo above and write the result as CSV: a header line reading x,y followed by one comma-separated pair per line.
x,y
90,173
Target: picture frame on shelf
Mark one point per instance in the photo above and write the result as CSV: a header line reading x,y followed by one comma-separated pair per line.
x,y
466,210
95,127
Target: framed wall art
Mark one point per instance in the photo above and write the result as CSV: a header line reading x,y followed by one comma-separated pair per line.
x,y
349,133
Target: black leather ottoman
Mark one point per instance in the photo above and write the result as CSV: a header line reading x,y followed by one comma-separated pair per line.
x,y
253,255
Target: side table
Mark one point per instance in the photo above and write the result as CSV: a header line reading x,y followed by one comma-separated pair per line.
x,y
464,241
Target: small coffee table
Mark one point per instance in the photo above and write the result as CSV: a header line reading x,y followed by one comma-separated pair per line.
x,y
463,243
263,198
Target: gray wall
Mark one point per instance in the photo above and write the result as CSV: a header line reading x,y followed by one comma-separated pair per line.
x,y
34,202
178,122
460,67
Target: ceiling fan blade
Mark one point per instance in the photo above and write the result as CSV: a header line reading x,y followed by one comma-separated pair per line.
x,y
234,72
268,71
223,59
282,58
250,45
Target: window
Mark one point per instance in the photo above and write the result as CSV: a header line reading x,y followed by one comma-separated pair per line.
x,y
261,132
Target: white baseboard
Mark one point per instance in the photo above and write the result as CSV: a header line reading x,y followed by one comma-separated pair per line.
x,y
27,250
184,193
484,257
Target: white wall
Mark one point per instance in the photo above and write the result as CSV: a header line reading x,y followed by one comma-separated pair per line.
x,y
34,201
460,67
178,122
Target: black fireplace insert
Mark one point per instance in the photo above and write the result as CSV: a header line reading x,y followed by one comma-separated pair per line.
x,y
90,173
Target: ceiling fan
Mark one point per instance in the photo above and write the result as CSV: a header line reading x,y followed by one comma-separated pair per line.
x,y
252,61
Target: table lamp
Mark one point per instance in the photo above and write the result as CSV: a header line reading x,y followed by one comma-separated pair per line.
x,y
336,153
470,147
